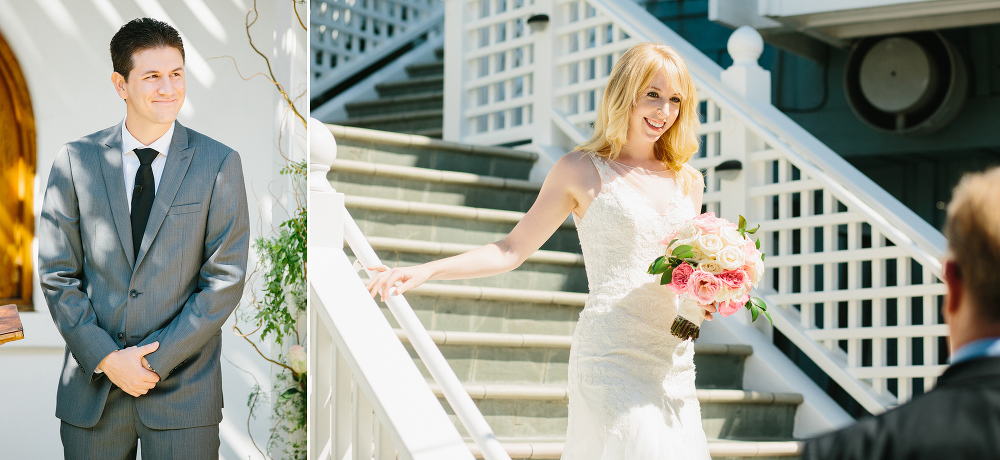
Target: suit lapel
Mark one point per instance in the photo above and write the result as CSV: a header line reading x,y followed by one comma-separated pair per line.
x,y
114,183
178,159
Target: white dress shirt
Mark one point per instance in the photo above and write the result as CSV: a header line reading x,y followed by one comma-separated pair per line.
x,y
130,161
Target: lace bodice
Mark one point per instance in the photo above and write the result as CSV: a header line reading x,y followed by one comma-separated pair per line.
x,y
621,232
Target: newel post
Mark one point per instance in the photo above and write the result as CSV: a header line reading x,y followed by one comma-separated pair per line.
x,y
326,206
749,81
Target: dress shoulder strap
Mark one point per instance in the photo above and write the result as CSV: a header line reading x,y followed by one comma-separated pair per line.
x,y
603,168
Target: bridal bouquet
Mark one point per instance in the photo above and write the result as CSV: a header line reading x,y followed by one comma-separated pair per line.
x,y
711,260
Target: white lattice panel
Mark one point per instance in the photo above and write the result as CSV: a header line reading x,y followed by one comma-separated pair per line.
x,y
499,60
343,30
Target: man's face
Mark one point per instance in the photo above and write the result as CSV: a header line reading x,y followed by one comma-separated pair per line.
x,y
154,91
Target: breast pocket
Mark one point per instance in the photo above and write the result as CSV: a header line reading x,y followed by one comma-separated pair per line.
x,y
184,209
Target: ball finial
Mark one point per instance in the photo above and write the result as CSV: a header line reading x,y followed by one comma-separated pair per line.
x,y
745,46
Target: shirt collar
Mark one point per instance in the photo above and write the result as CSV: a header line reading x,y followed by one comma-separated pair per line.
x,y
162,145
977,349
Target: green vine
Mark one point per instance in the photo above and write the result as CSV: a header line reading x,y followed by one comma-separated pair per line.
x,y
275,312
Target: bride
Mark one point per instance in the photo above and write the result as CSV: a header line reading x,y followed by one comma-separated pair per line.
x,y
631,382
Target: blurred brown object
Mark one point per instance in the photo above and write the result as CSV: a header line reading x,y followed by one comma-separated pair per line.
x,y
10,324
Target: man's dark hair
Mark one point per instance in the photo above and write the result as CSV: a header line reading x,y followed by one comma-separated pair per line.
x,y
141,34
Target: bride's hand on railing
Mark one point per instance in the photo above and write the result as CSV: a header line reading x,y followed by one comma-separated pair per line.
x,y
404,278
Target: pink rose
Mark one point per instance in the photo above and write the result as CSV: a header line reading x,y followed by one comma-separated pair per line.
x,y
708,223
734,279
728,308
680,277
750,251
703,286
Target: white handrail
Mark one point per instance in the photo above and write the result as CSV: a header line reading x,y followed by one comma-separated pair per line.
x,y
429,353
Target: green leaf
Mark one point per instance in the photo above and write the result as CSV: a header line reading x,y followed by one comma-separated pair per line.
x,y
754,313
762,257
688,255
768,315
667,276
743,223
754,230
289,393
682,249
656,266
672,242
757,243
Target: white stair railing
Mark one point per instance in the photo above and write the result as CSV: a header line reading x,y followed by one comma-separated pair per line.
x,y
853,273
367,397
350,35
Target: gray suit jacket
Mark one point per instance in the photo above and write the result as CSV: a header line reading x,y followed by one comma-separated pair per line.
x,y
184,284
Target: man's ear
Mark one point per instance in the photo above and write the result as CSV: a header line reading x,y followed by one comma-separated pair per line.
x,y
118,81
956,288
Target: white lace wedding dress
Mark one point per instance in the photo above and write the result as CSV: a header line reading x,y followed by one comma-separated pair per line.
x,y
631,383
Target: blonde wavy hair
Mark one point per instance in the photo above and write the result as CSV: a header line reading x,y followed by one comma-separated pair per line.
x,y
632,73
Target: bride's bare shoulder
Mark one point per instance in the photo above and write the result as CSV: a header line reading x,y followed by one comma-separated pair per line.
x,y
577,167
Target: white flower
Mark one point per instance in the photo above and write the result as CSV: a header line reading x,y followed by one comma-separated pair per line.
x,y
730,257
710,266
709,244
731,237
297,359
688,234
758,272
724,294
698,255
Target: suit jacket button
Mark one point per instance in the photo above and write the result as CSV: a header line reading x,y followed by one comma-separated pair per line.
x,y
133,293
121,335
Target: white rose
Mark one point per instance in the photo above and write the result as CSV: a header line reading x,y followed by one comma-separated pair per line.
x,y
724,294
297,359
698,255
730,257
731,237
687,235
758,272
709,244
710,266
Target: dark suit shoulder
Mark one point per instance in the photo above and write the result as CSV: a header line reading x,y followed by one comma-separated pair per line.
x,y
952,421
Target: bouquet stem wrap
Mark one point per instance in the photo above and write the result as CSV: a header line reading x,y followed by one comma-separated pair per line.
x,y
690,315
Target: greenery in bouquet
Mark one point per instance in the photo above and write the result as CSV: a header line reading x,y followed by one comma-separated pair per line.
x,y
711,260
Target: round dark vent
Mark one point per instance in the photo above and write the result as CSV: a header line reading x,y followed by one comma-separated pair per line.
x,y
908,84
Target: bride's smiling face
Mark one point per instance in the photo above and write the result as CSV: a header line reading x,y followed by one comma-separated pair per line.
x,y
655,111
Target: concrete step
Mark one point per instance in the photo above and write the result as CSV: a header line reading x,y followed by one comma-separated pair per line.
x,y
411,86
446,223
540,411
431,185
427,69
400,122
448,307
719,449
396,105
543,358
389,148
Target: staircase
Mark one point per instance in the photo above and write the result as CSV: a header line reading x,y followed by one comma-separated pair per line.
x,y
507,337
412,106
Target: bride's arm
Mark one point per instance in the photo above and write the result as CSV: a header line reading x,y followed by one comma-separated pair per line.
x,y
556,199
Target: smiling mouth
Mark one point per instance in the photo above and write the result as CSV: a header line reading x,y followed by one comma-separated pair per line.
x,y
655,125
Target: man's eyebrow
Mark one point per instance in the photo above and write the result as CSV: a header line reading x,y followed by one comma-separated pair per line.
x,y
157,71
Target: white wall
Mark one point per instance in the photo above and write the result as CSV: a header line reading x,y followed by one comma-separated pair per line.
x,y
62,48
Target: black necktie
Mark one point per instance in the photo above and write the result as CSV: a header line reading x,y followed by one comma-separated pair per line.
x,y
142,196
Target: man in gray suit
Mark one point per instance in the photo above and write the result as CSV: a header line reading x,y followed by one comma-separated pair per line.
x,y
143,242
